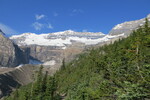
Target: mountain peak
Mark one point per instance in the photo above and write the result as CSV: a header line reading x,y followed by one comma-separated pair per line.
x,y
128,27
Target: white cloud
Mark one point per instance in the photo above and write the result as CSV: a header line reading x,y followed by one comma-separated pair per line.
x,y
38,26
7,30
38,17
76,12
50,26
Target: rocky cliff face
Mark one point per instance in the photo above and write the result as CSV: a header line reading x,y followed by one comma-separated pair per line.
x,y
128,27
10,54
51,48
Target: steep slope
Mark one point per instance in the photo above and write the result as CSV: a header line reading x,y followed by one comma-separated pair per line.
x,y
128,27
118,71
11,78
10,54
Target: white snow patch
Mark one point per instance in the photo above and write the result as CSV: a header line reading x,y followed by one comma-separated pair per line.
x,y
45,40
64,48
18,67
42,39
50,63
117,26
141,24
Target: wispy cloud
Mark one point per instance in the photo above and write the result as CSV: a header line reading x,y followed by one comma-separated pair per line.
x,y
38,26
49,26
38,17
76,12
42,24
7,30
55,14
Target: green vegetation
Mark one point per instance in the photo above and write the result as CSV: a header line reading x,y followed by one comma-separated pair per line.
x,y
119,71
43,88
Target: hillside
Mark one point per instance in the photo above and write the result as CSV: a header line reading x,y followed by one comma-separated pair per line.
x,y
118,71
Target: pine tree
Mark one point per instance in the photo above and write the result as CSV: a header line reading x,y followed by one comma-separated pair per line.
x,y
26,95
51,88
37,88
16,95
44,81
63,64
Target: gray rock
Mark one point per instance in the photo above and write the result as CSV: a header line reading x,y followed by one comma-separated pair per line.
x,y
128,27
10,54
45,53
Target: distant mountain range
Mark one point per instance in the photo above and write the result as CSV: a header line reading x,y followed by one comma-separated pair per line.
x,y
62,39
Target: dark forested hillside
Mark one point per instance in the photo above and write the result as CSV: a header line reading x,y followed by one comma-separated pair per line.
x,y
119,71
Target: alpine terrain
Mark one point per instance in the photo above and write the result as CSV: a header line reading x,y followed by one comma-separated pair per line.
x,y
71,65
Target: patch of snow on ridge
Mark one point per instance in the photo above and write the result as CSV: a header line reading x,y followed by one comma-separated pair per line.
x,y
51,63
19,66
42,39
61,39
64,47
117,26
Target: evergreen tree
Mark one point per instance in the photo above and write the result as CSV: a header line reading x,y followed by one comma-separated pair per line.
x,y
38,82
16,95
51,88
44,81
63,64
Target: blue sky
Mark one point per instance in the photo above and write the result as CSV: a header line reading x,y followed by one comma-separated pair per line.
x,y
46,16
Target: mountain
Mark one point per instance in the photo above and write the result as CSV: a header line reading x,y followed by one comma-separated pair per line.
x,y
57,39
54,47
10,54
128,27
118,71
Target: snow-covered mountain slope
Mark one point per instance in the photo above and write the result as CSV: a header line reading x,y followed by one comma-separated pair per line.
x,y
61,38
128,27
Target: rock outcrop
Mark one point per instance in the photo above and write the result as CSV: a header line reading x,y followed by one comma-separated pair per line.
x,y
10,54
128,27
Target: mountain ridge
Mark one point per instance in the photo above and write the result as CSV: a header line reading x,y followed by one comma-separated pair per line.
x,y
128,26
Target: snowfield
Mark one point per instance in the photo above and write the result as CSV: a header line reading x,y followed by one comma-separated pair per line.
x,y
61,38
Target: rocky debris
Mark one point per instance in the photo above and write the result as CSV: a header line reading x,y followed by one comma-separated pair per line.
x,y
10,54
128,27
